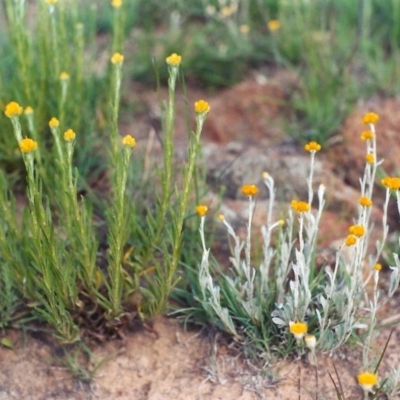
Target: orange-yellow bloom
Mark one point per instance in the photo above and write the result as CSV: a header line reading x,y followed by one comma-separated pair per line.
x,y
391,183
365,201
128,140
64,76
367,135
69,135
201,210
117,58
370,118
249,190
274,25
370,158
367,380
298,329
377,267
201,107
173,60
312,146
350,240
13,109
54,123
27,145
116,3
28,110
357,230
300,206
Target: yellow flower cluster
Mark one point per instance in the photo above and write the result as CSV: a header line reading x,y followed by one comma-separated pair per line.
x,y
367,380
370,158
312,147
116,3
201,107
201,210
298,329
13,109
350,240
117,58
370,118
27,145
300,206
391,182
128,140
274,25
69,135
28,110
377,267
64,76
51,1
367,135
249,190
357,230
365,201
173,60
54,123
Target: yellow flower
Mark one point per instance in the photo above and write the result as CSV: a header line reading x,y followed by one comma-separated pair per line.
x,y
116,3
274,25
69,135
370,118
281,222
377,267
201,210
54,123
28,110
370,158
27,145
312,147
391,183
350,240
64,76
201,107
298,329
249,190
117,58
13,109
221,217
300,206
128,140
51,1
357,230
365,202
367,135
173,60
367,380
244,29
226,11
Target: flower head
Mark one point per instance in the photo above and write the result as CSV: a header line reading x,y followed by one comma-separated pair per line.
x,y
311,342
51,1
116,3
350,240
249,190
64,76
117,58
244,29
13,109
128,140
173,60
365,201
370,158
201,210
274,25
69,135
357,230
391,183
300,206
370,118
377,267
367,135
221,217
201,107
28,110
54,123
312,147
367,380
27,145
298,329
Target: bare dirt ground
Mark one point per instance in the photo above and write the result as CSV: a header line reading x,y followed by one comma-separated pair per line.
x,y
167,362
